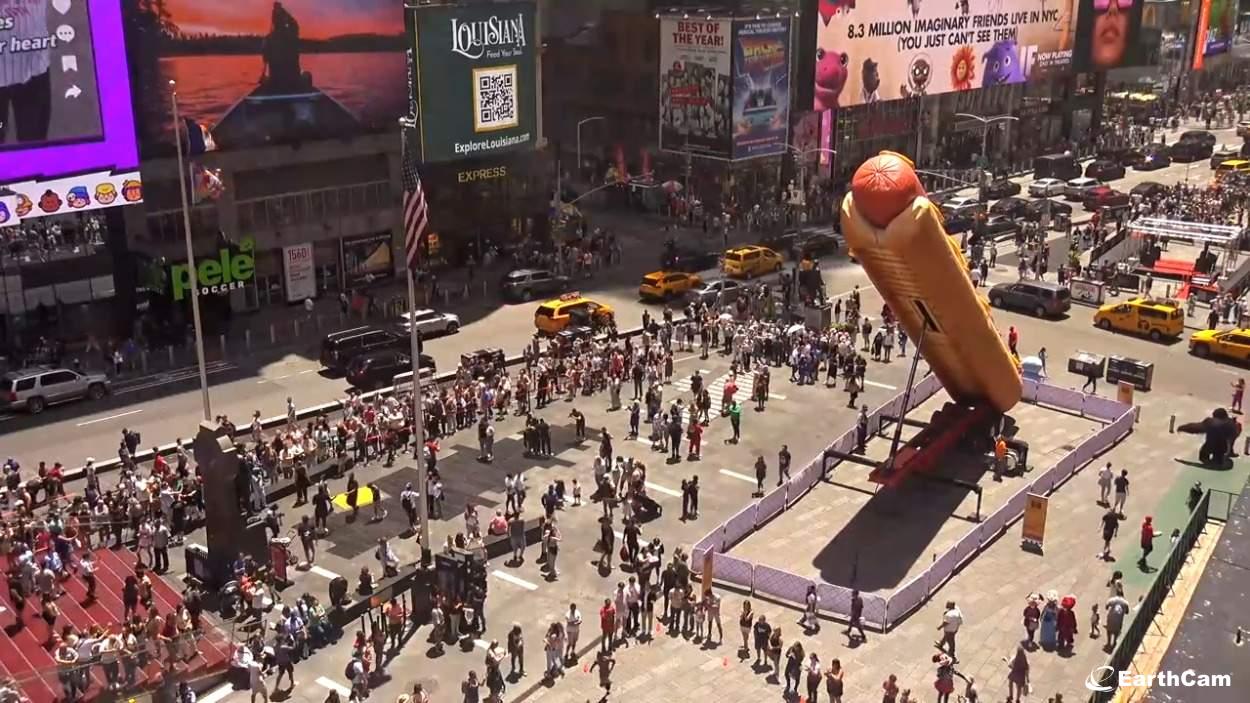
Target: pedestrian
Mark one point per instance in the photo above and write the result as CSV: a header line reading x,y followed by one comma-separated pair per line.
x,y
1018,675
1239,392
1148,534
471,687
605,663
745,622
1121,491
1105,477
857,618
762,631
735,420
572,630
1013,340
833,681
1091,382
607,625
794,666
761,471
516,651
810,620
1117,607
1032,615
814,676
952,619
889,689
783,464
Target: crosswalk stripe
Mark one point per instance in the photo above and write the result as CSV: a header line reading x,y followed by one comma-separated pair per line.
x,y
740,477
514,580
333,685
663,489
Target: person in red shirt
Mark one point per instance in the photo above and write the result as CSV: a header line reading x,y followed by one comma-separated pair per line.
x,y
607,624
695,432
1013,338
160,467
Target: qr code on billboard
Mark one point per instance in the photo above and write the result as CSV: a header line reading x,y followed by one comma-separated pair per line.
x,y
494,98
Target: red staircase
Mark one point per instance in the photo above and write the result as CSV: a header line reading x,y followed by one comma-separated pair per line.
x,y
25,658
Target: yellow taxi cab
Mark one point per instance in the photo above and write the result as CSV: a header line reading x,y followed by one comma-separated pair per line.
x,y
663,285
1149,317
750,261
1231,166
572,309
1226,344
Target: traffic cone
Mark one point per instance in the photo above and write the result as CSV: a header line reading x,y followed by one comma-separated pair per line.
x,y
585,668
725,662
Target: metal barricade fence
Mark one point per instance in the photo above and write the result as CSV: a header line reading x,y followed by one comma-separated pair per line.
x,y
1122,656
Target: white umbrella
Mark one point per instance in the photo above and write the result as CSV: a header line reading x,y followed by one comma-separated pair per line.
x,y
795,329
672,186
726,316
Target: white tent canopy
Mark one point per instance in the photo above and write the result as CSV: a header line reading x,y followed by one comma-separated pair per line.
x,y
1223,235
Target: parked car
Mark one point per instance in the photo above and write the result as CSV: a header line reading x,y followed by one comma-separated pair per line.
x,y
1225,152
751,261
1046,187
688,259
377,369
1011,207
781,242
1153,159
1104,170
1148,189
998,227
1199,136
1038,297
1104,196
721,292
1188,152
1059,166
339,348
955,223
1075,188
527,284
1033,211
666,285
964,202
1002,188
430,322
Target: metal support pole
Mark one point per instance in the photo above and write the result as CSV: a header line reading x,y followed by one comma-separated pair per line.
x,y
418,429
191,272
911,378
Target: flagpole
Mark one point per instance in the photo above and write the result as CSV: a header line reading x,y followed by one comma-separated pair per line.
x,y
195,284
418,422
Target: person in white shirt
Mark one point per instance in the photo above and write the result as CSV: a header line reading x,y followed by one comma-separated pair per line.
x,y
952,619
572,628
1105,476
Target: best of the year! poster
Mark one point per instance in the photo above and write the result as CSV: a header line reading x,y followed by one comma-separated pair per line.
x,y
695,86
868,51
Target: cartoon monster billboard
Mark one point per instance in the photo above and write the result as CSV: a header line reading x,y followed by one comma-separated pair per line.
x,y
870,51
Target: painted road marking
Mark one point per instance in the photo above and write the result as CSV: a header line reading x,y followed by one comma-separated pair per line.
x,y
514,580
481,644
176,377
844,294
322,571
688,358
886,386
333,685
740,477
218,693
301,373
663,489
110,417
6,417
619,535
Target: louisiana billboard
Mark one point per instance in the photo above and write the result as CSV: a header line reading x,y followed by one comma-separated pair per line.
x,y
870,51
475,79
761,91
696,86
268,73
67,132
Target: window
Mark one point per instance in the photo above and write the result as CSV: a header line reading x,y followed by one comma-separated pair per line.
x,y
1152,313
57,378
26,384
1238,339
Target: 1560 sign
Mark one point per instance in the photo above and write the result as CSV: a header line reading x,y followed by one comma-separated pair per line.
x,y
228,271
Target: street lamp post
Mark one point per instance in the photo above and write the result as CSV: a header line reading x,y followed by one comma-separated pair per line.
x,y
985,133
801,155
195,283
579,140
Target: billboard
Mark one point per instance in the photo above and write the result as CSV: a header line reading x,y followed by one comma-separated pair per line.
x,y
476,79
695,86
66,121
264,73
367,259
761,91
885,51
1217,20
298,272
1109,35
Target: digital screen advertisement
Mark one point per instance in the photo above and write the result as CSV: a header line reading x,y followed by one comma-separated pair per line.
x,y
476,79
367,259
1217,20
874,51
266,73
761,94
696,86
67,133
1109,35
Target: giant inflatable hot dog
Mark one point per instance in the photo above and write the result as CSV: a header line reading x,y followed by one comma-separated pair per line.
x,y
896,233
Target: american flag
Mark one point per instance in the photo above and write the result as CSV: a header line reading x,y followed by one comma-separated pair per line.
x,y
416,213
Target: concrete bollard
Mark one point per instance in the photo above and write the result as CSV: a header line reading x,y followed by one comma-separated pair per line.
x,y
342,317
222,339
296,328
1172,425
483,289
247,339
317,322
466,291
273,334
143,360
446,297
170,349
1245,447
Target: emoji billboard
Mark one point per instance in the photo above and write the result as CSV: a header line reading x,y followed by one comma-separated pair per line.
x,y
871,51
67,134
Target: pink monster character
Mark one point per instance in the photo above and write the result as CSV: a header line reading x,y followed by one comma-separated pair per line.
x,y
831,72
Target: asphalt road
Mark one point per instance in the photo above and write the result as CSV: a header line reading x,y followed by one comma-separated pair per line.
x,y
72,433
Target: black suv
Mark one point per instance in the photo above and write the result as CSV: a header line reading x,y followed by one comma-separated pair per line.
x,y
339,348
377,369
1104,170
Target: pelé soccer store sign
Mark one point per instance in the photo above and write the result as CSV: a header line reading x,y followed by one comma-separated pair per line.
x,y
474,78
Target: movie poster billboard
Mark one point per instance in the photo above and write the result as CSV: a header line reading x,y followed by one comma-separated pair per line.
x,y
476,79
1217,20
695,86
1109,35
367,259
761,92
268,73
67,134
871,51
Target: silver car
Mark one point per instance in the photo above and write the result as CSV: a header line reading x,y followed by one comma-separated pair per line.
x,y
713,293
33,389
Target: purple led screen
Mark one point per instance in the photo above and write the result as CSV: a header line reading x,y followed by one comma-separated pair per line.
x,y
65,105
